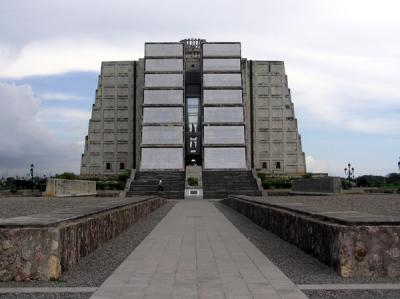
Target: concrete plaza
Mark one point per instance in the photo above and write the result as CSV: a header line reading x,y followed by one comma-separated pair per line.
x,y
195,252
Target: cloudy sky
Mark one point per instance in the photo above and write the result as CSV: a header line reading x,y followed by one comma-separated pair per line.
x,y
342,58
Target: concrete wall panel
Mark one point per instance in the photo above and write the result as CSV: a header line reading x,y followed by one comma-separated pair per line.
x,y
163,80
162,158
277,113
211,96
122,91
94,147
109,113
223,114
155,97
123,113
276,91
164,65
220,50
224,134
109,147
122,147
222,80
221,64
218,158
164,50
162,115
162,135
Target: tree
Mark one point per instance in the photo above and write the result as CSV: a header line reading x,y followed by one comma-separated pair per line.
x,y
393,178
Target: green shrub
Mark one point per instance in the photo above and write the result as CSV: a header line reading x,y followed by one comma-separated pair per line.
x,y
346,184
13,190
123,177
272,182
110,185
67,176
100,185
193,181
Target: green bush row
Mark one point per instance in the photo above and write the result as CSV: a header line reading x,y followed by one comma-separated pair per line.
x,y
115,182
275,182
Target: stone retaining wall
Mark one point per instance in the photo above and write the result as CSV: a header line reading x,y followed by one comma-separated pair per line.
x,y
351,249
330,185
62,188
42,253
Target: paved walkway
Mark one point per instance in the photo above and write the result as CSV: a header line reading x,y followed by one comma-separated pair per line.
x,y
195,252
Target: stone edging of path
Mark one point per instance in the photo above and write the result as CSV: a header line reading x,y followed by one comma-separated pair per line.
x,y
40,247
349,247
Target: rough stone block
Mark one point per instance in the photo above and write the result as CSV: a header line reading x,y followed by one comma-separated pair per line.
x,y
354,246
40,247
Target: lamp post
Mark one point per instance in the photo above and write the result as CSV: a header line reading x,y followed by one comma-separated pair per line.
x,y
349,171
398,164
32,175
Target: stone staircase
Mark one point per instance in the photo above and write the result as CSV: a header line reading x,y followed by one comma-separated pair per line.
x,y
220,184
146,183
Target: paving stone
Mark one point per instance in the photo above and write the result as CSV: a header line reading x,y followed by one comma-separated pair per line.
x,y
195,252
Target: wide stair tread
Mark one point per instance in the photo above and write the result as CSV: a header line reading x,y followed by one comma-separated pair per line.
x,y
146,183
220,184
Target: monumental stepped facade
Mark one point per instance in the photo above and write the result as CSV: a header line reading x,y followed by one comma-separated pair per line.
x,y
193,102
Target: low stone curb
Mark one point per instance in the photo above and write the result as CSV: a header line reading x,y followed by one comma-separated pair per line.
x,y
354,247
40,248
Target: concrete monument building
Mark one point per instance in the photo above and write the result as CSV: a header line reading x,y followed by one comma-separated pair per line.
x,y
193,102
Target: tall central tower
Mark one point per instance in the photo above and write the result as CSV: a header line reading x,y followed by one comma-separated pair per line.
x,y
193,102
163,107
222,102
193,106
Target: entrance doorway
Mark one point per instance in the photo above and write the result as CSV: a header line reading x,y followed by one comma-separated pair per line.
x,y
193,131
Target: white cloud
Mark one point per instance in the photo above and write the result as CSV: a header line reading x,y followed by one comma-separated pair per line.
x,y
322,166
58,56
25,140
59,96
62,114
341,56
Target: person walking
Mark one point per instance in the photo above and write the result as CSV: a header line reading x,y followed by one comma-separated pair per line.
x,y
160,185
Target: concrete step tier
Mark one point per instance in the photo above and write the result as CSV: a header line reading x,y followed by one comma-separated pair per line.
x,y
146,183
220,184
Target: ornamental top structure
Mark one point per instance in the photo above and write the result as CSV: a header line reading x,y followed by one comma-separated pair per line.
x,y
193,42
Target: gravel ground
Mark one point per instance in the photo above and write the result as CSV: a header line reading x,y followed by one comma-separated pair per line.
x,y
381,204
92,270
300,267
347,294
22,206
46,296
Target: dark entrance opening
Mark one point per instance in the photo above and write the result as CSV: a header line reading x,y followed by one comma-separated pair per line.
x,y
193,125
